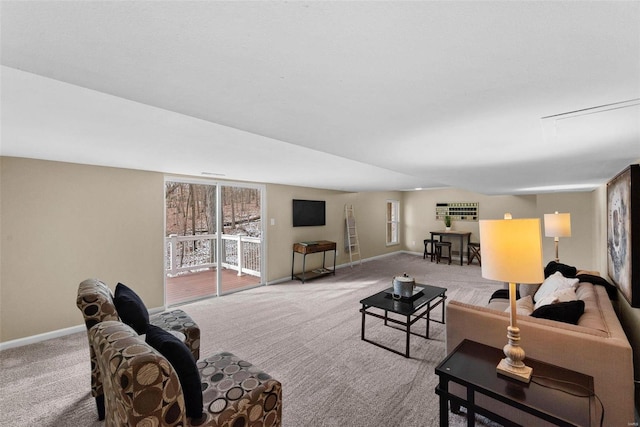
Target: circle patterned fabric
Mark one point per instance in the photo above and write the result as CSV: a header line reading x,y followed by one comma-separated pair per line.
x,y
141,387
238,394
95,301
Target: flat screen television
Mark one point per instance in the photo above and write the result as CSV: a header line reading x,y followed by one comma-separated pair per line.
x,y
308,213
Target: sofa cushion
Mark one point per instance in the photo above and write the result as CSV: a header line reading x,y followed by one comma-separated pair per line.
x,y
559,295
524,306
180,357
568,312
498,304
131,309
592,317
503,294
594,278
549,299
528,289
566,294
552,283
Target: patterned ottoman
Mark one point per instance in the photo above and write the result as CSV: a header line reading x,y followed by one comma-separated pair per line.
x,y
179,321
236,393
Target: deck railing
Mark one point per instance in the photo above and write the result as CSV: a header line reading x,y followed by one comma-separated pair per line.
x,y
193,253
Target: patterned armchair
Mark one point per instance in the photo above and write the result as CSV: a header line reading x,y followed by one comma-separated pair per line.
x,y
141,387
95,301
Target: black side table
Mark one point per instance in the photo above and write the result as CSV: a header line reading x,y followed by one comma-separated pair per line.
x,y
557,395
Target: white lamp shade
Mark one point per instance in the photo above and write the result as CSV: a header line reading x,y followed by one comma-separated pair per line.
x,y
512,250
557,225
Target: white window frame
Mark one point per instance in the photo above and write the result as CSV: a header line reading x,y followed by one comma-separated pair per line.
x,y
392,224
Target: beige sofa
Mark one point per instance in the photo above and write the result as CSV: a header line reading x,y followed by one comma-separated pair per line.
x,y
596,346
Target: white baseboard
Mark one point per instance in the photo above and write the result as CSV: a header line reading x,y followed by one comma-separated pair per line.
x,y
74,329
41,337
53,334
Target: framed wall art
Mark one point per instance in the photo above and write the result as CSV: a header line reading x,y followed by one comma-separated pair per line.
x,y
623,233
458,211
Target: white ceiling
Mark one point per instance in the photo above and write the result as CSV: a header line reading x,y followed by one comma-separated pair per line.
x,y
355,96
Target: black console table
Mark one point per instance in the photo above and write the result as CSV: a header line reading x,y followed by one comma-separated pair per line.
x,y
557,395
305,248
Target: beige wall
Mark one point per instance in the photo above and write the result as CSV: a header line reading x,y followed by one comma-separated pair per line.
x,y
419,219
63,223
370,221
576,250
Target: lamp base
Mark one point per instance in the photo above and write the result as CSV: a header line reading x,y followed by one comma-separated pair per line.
x,y
512,365
521,374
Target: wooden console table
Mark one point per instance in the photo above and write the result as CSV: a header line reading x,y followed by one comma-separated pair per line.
x,y
306,248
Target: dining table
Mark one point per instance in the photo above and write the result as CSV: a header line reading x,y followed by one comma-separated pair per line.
x,y
451,233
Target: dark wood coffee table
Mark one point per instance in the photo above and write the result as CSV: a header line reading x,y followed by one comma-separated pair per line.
x,y
412,309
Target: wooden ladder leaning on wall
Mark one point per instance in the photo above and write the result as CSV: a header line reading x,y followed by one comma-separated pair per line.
x,y
353,245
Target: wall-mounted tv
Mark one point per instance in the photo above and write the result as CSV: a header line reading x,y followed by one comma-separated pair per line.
x,y
308,213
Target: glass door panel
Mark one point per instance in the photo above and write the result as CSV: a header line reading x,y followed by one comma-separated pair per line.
x,y
190,241
241,243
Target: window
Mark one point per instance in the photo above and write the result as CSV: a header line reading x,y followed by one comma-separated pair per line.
x,y
393,222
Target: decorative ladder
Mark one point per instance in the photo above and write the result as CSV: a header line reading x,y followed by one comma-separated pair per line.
x,y
352,234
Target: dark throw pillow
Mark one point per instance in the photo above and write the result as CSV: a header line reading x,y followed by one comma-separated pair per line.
x,y
503,294
564,269
131,309
612,291
567,312
177,353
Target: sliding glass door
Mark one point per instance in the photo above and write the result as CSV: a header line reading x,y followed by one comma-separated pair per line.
x,y
241,237
214,239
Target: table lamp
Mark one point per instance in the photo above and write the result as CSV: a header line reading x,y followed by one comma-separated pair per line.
x,y
512,252
557,225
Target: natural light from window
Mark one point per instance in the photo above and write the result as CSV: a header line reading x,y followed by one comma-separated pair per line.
x,y
393,222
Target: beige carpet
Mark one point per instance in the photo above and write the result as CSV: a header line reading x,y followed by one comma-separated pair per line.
x,y
305,335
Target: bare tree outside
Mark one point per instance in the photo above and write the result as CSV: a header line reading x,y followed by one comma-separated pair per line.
x,y
191,211
241,211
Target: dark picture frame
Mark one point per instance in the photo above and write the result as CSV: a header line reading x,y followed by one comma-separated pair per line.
x,y
623,233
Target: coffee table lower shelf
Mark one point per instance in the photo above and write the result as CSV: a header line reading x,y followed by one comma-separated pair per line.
x,y
411,310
